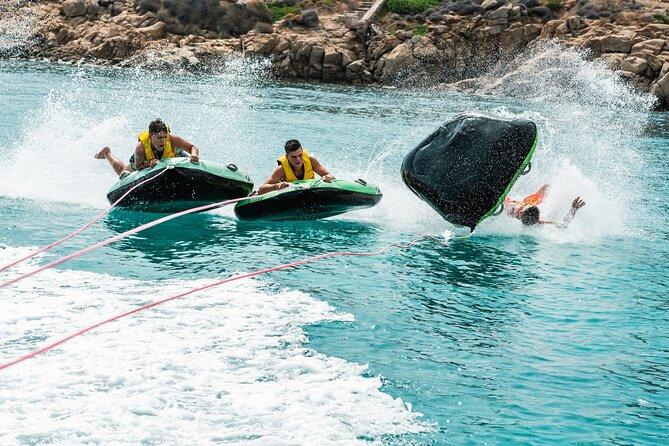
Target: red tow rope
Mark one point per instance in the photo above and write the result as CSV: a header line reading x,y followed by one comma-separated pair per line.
x,y
119,237
83,228
220,282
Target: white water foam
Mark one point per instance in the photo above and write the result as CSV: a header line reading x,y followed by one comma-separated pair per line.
x,y
227,365
63,169
52,159
590,126
17,23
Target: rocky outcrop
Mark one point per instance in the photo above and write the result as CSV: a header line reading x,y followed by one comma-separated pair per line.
x,y
459,41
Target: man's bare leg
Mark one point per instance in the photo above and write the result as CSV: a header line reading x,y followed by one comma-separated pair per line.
x,y
118,165
543,190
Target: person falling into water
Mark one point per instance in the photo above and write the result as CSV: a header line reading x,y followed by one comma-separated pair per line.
x,y
527,210
295,165
156,143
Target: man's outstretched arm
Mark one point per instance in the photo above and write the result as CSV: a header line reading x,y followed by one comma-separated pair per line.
x,y
575,206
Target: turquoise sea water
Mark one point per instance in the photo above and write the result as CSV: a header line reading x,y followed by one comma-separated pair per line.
x,y
512,336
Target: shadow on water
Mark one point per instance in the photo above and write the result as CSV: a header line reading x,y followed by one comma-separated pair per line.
x,y
308,238
466,296
206,245
471,286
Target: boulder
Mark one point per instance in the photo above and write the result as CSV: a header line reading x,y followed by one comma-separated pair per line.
x,y
654,64
354,71
635,65
652,46
331,56
502,21
64,35
357,66
660,89
380,47
575,23
613,60
664,70
397,60
118,47
532,31
309,18
282,45
153,32
329,72
512,39
489,4
74,8
562,30
316,57
549,28
493,30
501,13
261,44
426,51
116,8
351,20
617,43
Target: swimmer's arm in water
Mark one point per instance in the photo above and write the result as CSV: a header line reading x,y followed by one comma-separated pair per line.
x,y
575,206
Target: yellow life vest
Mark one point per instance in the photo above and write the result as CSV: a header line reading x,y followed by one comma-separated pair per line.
x,y
148,151
288,173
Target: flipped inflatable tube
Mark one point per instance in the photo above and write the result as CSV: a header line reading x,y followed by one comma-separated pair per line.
x,y
466,167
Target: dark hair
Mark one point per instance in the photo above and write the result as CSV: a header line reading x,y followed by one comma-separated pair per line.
x,y
157,126
530,215
292,145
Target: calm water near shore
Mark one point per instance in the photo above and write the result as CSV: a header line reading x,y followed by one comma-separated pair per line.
x,y
512,336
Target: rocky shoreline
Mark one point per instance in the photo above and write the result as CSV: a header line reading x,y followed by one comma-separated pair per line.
x,y
450,43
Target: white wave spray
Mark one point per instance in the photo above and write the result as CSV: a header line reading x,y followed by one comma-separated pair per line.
x,y
590,126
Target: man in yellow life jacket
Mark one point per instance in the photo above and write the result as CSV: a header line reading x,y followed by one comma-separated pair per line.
x,y
156,143
527,211
295,165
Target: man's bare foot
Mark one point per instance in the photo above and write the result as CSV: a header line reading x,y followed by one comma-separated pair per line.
x,y
102,154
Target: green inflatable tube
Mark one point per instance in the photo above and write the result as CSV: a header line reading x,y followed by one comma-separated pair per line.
x,y
183,185
309,200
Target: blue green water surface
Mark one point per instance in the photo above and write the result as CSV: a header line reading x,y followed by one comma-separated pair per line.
x,y
512,336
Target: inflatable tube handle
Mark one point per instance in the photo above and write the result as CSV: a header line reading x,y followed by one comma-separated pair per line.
x,y
498,211
361,181
527,169
232,167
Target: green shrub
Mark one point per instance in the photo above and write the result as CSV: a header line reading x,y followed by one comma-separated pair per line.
x,y
277,12
330,2
555,5
419,30
662,18
410,6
